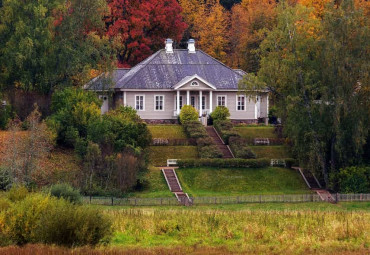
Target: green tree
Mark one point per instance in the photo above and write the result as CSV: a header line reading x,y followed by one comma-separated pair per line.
x,y
317,72
58,46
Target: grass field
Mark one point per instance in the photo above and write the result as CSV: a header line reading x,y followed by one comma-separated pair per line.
x,y
244,231
251,132
232,182
167,131
302,228
159,154
276,151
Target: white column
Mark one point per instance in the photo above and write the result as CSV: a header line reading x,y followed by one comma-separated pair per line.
x,y
255,108
178,103
200,103
124,98
267,107
188,97
210,101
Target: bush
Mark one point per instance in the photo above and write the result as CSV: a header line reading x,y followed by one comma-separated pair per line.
x,y
188,113
66,191
220,113
17,193
224,163
354,179
210,151
44,219
206,141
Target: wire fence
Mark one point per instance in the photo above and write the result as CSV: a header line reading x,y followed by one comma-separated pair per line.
x,y
170,201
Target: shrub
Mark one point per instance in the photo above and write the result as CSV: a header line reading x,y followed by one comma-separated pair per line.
x,y
66,191
243,152
206,141
188,113
210,151
226,135
355,179
224,163
220,113
17,193
44,219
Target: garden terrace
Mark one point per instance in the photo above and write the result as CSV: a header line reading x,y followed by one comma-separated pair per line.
x,y
207,181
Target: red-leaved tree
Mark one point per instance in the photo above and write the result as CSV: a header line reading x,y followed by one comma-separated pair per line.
x,y
141,26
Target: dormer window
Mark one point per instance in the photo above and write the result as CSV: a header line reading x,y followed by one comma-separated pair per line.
x,y
194,83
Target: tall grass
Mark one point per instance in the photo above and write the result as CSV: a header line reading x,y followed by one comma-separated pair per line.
x,y
284,232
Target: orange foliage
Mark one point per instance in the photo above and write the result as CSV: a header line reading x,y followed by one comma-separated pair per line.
x,y
249,21
61,165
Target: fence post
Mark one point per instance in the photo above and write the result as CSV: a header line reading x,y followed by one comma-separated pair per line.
x,y
336,198
90,199
112,201
260,199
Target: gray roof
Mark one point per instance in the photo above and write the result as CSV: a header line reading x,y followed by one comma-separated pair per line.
x,y
164,70
103,82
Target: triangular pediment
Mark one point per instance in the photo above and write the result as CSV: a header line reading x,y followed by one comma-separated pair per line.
x,y
192,80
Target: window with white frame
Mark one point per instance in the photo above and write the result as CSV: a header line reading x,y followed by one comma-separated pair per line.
x,y
203,102
240,104
139,103
221,100
194,83
159,103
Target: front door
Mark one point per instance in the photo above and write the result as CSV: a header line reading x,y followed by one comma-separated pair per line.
x,y
194,102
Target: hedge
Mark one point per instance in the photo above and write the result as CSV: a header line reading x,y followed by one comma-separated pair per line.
x,y
206,145
224,163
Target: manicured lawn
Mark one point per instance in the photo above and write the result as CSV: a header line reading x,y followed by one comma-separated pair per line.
x,y
233,182
275,152
156,185
159,154
167,131
250,132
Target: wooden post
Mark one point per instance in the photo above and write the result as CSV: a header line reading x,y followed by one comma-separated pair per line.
x,y
112,201
90,199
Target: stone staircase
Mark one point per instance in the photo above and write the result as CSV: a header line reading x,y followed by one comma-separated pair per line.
x,y
219,142
314,185
174,186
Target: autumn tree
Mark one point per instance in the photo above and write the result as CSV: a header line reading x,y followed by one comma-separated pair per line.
x,y
141,27
26,151
250,22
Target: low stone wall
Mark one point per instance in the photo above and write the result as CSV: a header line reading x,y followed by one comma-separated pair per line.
x,y
235,122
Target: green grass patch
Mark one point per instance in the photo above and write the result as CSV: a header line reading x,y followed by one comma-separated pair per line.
x,y
243,231
249,132
167,131
275,152
155,187
159,154
246,181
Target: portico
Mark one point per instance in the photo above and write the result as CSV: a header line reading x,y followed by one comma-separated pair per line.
x,y
198,93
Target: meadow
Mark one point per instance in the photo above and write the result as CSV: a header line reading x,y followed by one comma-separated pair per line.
x,y
241,229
